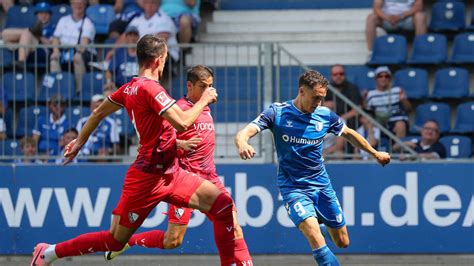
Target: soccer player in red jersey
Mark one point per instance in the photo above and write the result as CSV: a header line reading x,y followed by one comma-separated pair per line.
x,y
196,154
155,175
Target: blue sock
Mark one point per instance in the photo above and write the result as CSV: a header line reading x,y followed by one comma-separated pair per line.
x,y
324,257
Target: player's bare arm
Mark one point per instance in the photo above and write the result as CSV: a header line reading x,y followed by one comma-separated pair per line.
x,y
105,109
182,120
246,151
188,145
360,142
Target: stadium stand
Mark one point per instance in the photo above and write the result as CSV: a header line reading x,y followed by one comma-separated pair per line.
x,y
28,119
20,17
20,86
448,16
440,112
464,121
59,11
74,113
365,79
429,48
463,49
451,83
57,83
414,81
457,147
390,49
101,16
92,83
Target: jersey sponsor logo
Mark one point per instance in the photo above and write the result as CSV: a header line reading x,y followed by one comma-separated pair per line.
x,y
133,217
162,98
204,126
293,139
178,212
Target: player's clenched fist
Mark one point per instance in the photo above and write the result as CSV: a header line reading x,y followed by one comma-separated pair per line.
x,y
382,157
210,95
71,150
246,151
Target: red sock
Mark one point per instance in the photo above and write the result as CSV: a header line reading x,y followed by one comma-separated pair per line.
x,y
221,215
88,243
242,255
150,239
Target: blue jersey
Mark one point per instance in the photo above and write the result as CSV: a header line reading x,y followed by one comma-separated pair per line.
x,y
124,66
298,140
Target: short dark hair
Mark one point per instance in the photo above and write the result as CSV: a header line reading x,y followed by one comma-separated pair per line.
x,y
72,129
312,78
199,72
150,47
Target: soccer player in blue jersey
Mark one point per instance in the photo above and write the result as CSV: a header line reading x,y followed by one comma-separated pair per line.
x,y
298,127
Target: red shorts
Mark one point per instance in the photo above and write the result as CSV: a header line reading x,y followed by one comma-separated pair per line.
x,y
182,215
142,192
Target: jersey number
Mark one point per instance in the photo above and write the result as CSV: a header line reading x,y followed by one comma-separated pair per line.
x,y
299,209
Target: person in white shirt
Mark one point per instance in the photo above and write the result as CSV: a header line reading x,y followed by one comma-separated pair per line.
x,y
73,29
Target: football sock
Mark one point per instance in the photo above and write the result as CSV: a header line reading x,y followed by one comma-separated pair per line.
x,y
325,257
223,221
242,255
88,243
150,239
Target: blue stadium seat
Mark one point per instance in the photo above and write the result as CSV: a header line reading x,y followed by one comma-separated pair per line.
x,y
431,48
19,86
101,15
28,119
92,83
390,49
414,139
38,58
74,113
9,147
9,122
59,11
440,112
464,122
451,82
463,48
57,83
448,16
414,81
365,79
20,17
124,123
457,147
6,57
235,111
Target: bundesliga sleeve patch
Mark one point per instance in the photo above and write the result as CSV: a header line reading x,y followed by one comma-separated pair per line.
x,y
163,99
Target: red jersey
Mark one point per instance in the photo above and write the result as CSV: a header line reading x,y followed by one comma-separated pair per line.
x,y
202,158
145,100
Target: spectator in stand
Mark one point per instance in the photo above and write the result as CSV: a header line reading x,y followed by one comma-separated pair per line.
x,y
118,4
68,136
185,14
40,32
123,18
28,150
428,147
369,132
3,113
104,140
339,82
395,15
124,63
153,21
74,29
50,128
389,104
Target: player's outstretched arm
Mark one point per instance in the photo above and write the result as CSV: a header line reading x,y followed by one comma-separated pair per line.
x,y
246,151
360,142
105,109
182,120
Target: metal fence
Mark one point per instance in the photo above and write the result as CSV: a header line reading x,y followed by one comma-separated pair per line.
x,y
248,77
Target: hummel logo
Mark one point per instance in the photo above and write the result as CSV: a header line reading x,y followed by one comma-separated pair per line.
x,y
289,123
91,250
229,228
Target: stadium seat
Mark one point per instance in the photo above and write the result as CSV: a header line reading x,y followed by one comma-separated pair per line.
x,y
448,16
457,147
6,57
28,119
414,139
9,147
92,83
235,111
38,59
9,122
19,86
74,113
431,48
451,82
414,81
20,17
390,49
440,112
365,79
463,48
101,15
464,121
59,11
124,124
57,83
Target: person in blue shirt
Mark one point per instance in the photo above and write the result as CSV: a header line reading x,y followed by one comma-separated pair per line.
x,y
298,127
51,127
185,14
39,33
